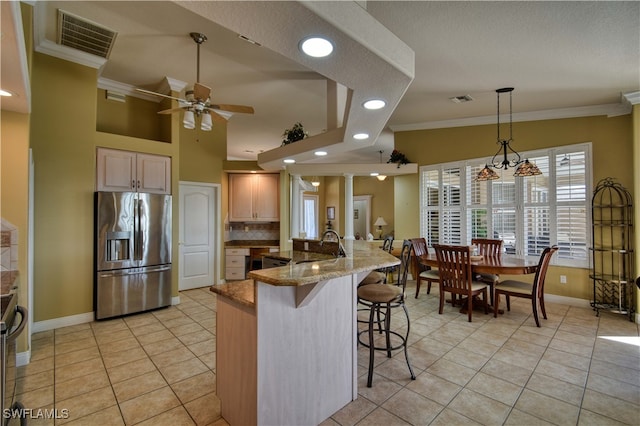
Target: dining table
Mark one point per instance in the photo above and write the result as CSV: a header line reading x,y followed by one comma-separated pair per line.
x,y
505,264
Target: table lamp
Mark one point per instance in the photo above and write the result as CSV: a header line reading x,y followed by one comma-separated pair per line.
x,y
380,222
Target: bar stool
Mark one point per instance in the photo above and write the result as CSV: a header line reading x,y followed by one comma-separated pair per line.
x,y
384,297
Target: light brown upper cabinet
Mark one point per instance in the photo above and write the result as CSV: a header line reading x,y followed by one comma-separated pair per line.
x,y
122,171
254,197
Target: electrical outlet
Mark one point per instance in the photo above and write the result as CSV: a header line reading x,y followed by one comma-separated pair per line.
x,y
563,279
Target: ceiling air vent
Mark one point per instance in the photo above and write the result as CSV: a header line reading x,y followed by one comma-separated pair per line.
x,y
83,35
461,99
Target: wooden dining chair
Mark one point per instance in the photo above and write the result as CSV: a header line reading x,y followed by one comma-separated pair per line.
x,y
422,272
385,297
534,291
454,266
488,247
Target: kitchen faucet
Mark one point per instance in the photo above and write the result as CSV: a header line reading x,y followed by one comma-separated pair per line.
x,y
341,252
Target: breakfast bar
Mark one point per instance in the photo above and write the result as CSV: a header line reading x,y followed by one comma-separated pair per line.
x,y
287,339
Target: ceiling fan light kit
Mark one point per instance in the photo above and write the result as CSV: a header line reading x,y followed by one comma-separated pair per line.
x,y
189,121
524,168
197,101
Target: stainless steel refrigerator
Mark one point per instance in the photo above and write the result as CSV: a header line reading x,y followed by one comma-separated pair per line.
x,y
132,253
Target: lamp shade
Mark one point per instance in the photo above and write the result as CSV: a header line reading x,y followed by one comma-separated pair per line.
x,y
189,121
487,174
206,123
380,222
381,177
527,169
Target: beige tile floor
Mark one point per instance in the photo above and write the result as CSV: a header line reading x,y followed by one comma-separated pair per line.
x,y
158,368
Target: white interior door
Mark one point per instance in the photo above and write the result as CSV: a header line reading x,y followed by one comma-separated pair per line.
x,y
199,215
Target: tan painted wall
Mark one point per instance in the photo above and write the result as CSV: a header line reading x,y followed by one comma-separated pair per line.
x,y
382,193
135,117
612,147
64,140
14,195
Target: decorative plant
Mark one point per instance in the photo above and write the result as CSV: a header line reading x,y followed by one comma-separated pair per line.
x,y
398,157
294,134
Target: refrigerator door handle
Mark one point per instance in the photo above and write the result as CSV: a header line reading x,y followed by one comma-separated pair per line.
x,y
134,271
137,231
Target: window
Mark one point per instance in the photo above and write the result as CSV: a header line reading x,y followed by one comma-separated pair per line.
x,y
529,214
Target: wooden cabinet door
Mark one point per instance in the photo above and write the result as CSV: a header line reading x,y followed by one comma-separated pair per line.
x,y
122,171
240,197
267,200
153,174
115,170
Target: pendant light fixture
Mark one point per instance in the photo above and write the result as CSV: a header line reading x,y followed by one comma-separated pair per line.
x,y
379,176
523,167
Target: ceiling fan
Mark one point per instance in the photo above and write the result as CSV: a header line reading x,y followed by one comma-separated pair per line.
x,y
198,101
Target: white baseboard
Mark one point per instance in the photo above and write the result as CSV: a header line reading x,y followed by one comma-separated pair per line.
x,y
74,319
571,301
62,322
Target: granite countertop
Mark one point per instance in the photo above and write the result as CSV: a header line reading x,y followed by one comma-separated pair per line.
x,y
8,279
362,256
299,256
242,292
252,243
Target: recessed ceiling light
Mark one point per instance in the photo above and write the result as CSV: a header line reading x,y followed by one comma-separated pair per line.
x,y
374,104
361,136
320,153
316,47
289,160
5,93
374,174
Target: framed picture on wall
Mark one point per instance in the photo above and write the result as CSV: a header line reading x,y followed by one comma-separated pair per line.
x,y
331,213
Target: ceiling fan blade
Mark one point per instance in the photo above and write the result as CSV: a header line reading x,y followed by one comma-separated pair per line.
x,y
217,117
202,92
169,111
149,92
233,108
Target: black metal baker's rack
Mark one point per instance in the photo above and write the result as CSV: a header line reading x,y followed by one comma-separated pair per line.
x,y
612,251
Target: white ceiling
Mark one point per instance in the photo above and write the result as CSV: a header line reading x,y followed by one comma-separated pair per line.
x,y
563,58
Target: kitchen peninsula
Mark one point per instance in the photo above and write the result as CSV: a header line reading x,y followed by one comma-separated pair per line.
x,y
287,339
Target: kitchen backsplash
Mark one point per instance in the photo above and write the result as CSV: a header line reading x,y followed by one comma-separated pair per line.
x,y
252,231
8,247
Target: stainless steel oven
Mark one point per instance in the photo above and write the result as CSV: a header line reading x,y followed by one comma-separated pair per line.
x,y
10,330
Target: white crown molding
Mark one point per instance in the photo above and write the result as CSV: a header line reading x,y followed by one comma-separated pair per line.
x,y
169,84
68,54
165,87
632,97
610,110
